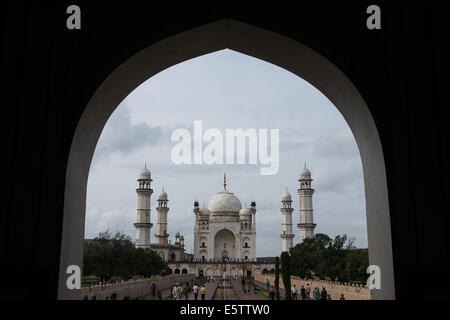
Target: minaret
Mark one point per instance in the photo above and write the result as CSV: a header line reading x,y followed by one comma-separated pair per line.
x,y
305,193
182,241
286,226
143,224
253,210
162,209
253,241
182,246
196,229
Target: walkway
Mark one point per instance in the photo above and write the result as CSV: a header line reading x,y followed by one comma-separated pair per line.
x,y
211,288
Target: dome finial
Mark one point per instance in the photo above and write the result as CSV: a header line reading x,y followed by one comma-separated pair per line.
x,y
225,181
305,164
145,165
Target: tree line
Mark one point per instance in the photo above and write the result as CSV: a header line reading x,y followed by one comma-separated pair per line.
x,y
111,256
325,258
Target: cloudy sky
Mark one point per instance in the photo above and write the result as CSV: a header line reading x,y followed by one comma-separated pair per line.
x,y
227,90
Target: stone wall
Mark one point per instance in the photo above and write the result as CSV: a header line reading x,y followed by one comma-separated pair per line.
x,y
334,289
134,288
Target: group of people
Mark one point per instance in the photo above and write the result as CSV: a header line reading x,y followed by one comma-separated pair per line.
x,y
305,292
178,291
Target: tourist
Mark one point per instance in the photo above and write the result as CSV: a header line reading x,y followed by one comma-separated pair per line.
x,y
272,292
267,284
308,291
248,288
203,292
342,297
294,292
153,290
175,292
255,291
186,291
323,294
243,284
316,294
303,293
114,296
195,289
328,297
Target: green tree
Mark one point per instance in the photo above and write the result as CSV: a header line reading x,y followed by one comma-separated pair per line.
x,y
356,265
307,258
277,278
286,274
109,256
323,257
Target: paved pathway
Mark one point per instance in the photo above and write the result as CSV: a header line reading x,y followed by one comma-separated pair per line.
x,y
165,292
210,286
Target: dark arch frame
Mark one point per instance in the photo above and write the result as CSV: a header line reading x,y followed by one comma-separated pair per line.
x,y
256,42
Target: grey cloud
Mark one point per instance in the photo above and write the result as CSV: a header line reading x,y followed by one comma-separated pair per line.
x,y
335,146
120,135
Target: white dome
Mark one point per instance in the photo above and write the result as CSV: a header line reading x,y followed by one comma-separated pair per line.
x,y
204,211
305,174
224,201
245,212
163,196
145,174
286,196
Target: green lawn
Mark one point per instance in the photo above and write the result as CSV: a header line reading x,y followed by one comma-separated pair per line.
x,y
87,282
263,291
266,293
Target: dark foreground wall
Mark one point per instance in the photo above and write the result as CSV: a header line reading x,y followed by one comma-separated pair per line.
x,y
50,73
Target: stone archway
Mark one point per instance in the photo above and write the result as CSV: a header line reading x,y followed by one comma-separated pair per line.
x,y
256,42
224,245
